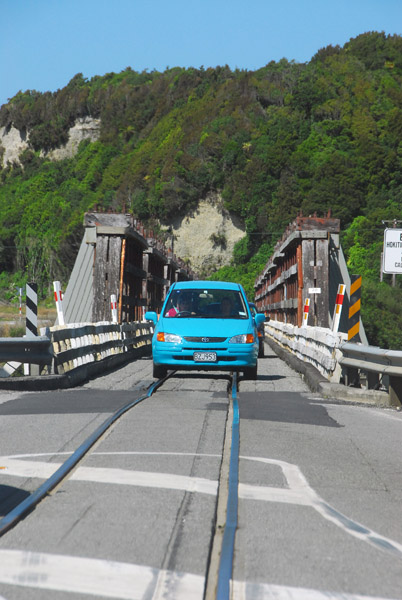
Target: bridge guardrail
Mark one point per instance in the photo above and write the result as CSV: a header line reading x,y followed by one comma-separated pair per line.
x,y
379,366
316,345
82,343
32,350
66,349
341,362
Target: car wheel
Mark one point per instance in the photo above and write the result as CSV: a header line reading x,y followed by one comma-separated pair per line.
x,y
261,350
250,373
159,372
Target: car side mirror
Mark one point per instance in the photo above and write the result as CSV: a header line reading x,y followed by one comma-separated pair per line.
x,y
259,318
151,316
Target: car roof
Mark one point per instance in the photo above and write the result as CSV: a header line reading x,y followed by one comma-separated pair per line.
x,y
212,285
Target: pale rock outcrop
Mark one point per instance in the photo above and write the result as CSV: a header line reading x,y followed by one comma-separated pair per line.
x,y
13,141
85,128
207,235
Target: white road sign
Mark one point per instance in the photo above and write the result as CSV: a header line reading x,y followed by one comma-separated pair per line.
x,y
392,256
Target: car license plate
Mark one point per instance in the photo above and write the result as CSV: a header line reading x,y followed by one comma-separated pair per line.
x,y
204,356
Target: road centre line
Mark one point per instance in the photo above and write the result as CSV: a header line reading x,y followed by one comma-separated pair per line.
x,y
298,491
111,579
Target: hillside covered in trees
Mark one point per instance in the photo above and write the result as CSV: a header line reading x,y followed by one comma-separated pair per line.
x,y
288,137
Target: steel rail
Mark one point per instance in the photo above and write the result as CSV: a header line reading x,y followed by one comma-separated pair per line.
x,y
27,505
226,558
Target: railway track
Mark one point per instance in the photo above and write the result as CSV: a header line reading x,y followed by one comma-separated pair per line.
x,y
220,562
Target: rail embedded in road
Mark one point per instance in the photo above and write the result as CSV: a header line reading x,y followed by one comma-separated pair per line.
x,y
27,505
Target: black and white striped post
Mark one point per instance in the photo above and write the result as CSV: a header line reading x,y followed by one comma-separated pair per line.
x,y
31,317
32,310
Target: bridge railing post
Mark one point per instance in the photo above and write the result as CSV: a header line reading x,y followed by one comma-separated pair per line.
x,y
373,380
351,377
395,390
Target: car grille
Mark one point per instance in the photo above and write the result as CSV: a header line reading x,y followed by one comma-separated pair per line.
x,y
205,340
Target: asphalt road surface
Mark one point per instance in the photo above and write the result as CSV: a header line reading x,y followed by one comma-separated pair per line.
x,y
320,490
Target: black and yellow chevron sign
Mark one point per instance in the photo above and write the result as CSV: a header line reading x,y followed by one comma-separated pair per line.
x,y
354,306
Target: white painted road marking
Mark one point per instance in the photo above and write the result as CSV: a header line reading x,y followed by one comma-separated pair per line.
x,y
297,491
101,578
110,579
266,591
42,470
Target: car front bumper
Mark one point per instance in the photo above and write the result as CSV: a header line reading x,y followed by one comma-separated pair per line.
x,y
230,357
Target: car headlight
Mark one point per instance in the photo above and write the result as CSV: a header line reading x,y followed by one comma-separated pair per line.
x,y
168,337
243,338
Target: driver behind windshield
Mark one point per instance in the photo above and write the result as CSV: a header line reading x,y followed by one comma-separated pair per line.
x,y
183,305
226,306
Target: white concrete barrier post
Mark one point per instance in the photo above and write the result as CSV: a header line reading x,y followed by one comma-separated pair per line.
x,y
59,302
20,298
113,306
305,311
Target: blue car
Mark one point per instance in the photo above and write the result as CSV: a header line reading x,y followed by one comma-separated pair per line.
x,y
205,325
260,329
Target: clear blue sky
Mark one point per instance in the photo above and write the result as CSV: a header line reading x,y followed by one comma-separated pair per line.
x,y
44,43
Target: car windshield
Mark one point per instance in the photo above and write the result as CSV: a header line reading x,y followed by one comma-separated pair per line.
x,y
206,303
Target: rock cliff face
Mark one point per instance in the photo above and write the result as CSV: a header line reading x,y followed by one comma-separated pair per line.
x,y
207,235
13,141
86,128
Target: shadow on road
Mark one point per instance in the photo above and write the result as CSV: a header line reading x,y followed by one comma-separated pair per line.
x,y
10,497
284,407
270,377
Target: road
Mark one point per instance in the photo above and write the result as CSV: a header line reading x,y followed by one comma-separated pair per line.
x,y
319,494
